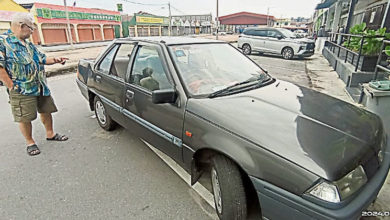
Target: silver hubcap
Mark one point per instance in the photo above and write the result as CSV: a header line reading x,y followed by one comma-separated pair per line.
x,y
287,54
100,112
246,49
216,190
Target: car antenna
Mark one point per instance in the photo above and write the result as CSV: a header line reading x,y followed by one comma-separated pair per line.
x,y
162,41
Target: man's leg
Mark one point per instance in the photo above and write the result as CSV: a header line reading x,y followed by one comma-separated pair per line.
x,y
47,121
46,107
26,129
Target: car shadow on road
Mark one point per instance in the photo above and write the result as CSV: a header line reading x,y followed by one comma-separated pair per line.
x,y
279,56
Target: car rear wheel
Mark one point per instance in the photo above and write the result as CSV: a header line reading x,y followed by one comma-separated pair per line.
x,y
288,53
246,49
102,117
228,189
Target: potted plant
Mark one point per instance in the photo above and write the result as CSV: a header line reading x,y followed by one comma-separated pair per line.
x,y
371,46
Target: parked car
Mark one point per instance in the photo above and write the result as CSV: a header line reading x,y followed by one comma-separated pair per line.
x,y
275,40
223,33
301,33
289,151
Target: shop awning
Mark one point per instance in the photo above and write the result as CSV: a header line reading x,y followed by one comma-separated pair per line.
x,y
325,4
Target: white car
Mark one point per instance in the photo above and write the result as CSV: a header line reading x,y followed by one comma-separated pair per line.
x,y
275,40
300,33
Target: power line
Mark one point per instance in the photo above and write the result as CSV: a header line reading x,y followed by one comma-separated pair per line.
x,y
139,3
178,10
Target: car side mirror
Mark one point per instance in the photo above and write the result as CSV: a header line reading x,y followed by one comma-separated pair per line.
x,y
279,37
164,96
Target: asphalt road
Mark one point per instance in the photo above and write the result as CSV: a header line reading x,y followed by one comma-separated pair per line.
x,y
94,175
289,70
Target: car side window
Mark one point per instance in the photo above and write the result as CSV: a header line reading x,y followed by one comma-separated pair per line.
x,y
260,33
105,64
249,32
148,71
121,61
272,33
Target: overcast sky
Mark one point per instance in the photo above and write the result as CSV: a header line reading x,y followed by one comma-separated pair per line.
x,y
277,8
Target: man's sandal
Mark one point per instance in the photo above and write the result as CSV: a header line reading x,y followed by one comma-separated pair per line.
x,y
58,137
33,150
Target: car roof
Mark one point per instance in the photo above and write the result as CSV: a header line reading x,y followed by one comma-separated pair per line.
x,y
171,40
263,28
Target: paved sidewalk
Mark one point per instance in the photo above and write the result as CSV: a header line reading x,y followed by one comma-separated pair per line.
x,y
66,47
324,79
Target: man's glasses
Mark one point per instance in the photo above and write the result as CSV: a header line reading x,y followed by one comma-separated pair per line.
x,y
29,27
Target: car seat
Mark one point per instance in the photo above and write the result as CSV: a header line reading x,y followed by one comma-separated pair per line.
x,y
148,82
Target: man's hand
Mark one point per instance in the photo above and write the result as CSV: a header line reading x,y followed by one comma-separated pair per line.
x,y
9,84
53,60
5,79
61,60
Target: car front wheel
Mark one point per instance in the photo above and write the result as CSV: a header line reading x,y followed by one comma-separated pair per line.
x,y
228,189
102,117
288,53
246,49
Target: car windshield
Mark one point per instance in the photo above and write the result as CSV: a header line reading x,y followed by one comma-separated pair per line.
x,y
287,33
208,68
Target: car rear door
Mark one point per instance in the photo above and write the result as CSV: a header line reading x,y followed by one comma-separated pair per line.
x,y
159,124
107,85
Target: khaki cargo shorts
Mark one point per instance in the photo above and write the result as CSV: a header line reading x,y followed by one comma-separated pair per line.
x,y
24,108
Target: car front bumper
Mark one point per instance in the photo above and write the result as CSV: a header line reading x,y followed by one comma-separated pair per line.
x,y
277,203
305,53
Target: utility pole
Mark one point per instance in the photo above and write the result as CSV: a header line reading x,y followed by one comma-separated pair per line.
x,y
170,19
267,16
67,21
216,32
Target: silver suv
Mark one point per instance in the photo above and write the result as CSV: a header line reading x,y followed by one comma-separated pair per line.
x,y
275,40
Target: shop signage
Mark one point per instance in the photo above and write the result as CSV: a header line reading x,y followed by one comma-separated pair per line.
x,y
149,20
205,23
50,14
120,7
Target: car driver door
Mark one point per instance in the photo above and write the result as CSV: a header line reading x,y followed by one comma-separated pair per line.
x,y
158,124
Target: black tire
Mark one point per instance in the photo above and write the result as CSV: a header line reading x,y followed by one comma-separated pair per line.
x,y
228,189
104,120
246,49
287,53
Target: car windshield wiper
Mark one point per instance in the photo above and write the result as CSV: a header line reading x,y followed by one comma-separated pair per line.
x,y
258,78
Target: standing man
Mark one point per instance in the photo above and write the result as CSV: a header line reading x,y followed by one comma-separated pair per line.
x,y
22,72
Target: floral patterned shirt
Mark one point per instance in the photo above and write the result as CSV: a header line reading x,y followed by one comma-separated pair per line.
x,y
24,65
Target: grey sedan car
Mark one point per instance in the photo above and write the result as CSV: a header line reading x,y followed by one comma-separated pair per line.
x,y
272,148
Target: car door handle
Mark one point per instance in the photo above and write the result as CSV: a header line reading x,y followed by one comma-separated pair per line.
x,y
129,94
98,79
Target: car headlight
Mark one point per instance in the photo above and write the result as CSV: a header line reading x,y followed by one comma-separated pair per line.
x,y
326,191
339,190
